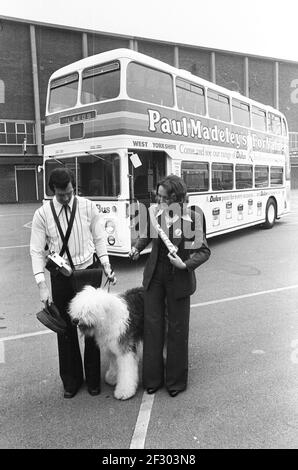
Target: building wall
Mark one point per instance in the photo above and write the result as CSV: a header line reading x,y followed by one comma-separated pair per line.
x,y
57,46
230,72
158,51
195,61
288,93
16,71
7,184
98,43
261,81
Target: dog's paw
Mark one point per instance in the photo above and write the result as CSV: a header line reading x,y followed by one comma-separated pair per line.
x,y
124,393
111,378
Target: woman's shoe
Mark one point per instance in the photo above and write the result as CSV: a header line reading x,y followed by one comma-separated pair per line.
x,y
150,391
94,391
174,393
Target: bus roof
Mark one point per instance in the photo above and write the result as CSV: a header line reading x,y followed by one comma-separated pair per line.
x,y
122,53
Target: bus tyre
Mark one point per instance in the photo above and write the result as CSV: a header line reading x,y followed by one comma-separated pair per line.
x,y
270,214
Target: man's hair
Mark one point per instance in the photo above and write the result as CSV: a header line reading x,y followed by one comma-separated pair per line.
x,y
175,187
60,178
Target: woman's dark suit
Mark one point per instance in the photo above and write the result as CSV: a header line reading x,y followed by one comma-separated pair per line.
x,y
166,285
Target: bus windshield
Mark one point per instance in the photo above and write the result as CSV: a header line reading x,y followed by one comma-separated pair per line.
x,y
96,175
63,92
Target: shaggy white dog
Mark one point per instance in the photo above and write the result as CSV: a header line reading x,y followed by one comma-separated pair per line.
x,y
116,322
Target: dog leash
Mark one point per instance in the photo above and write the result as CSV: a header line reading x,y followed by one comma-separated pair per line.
x,y
108,281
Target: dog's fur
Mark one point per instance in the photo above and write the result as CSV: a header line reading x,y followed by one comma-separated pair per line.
x,y
117,323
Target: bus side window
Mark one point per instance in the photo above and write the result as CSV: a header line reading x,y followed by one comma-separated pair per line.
x,y
258,119
218,106
190,97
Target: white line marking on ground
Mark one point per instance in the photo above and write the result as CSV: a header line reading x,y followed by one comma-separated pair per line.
x,y
13,246
202,304
2,352
245,296
140,432
14,215
26,335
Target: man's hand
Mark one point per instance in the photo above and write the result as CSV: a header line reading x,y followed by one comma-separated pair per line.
x,y
134,254
109,273
44,293
176,261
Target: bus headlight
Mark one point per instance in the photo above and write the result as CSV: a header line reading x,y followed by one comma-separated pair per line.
x,y
111,240
109,226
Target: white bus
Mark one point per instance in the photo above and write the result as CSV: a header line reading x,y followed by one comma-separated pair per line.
x,y
122,120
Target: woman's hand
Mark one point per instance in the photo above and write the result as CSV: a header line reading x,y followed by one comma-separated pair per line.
x,y
176,261
134,254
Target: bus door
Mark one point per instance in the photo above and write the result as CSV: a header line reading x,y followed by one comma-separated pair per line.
x,y
144,176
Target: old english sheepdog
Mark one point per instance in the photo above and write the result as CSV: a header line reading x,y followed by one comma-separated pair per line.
x,y
116,321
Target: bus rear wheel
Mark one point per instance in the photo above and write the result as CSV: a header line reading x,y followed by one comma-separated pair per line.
x,y
270,214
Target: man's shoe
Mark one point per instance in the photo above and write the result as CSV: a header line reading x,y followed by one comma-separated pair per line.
x,y
174,393
94,391
70,393
150,391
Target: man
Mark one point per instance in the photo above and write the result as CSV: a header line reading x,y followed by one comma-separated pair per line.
x,y
86,238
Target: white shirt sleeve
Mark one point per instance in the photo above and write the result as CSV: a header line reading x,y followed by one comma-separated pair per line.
x,y
98,235
37,246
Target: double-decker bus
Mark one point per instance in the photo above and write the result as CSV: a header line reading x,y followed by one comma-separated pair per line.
x,y
122,120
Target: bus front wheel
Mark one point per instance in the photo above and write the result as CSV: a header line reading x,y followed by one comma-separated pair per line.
x,y
270,214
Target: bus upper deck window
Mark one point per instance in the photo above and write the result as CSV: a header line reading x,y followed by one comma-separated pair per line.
x,y
241,113
258,119
148,84
190,97
274,124
218,106
100,83
63,92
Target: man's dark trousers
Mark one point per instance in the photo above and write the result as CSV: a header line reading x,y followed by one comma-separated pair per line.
x,y
176,366
70,361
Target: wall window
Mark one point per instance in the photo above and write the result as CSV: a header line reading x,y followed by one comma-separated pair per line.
x,y
258,119
190,97
261,176
15,132
151,85
63,92
100,83
2,133
276,175
222,176
196,176
241,113
218,106
274,124
243,176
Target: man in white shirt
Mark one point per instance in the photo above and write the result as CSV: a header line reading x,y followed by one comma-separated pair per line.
x,y
86,239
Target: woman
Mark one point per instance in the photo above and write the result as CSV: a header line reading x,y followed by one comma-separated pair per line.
x,y
169,280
